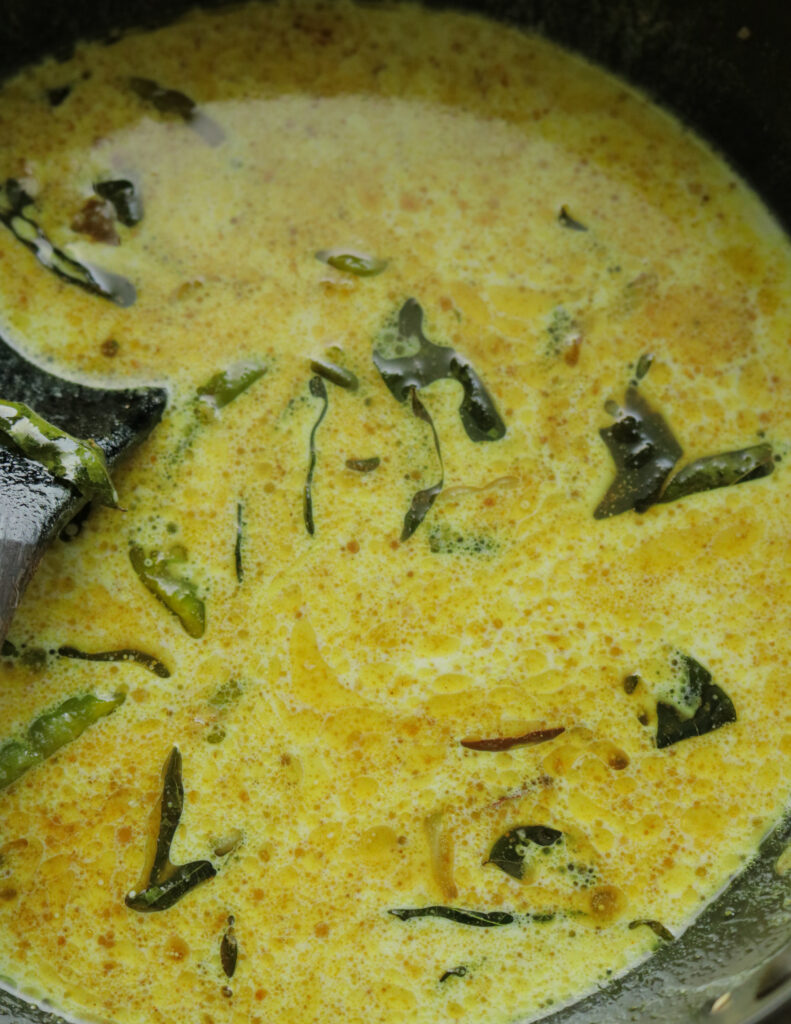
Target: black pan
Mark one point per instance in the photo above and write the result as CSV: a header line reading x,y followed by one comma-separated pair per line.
x,y
724,66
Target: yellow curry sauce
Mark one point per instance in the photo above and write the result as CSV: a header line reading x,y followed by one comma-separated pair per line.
x,y
320,715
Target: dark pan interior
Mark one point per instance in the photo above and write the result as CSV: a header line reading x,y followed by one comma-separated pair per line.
x,y
723,65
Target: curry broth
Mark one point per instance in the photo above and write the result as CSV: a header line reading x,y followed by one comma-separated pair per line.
x,y
320,716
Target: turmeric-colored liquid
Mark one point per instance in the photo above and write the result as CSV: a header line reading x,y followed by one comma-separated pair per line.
x,y
320,715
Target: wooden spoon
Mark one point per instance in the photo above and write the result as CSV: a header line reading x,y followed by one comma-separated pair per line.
x,y
34,504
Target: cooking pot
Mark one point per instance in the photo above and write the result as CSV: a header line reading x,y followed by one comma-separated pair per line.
x,y
722,65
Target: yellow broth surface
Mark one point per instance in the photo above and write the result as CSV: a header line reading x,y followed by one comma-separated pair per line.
x,y
320,716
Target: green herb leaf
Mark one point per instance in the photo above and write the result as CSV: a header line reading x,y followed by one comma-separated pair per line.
x,y
319,390
13,202
477,918
429,362
80,463
167,893
51,731
512,851
124,198
124,654
724,470
644,451
228,384
167,882
352,262
178,594
713,707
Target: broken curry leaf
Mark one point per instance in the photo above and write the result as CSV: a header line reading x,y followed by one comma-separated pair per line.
x,y
477,918
178,594
407,361
168,882
229,950
349,262
125,199
363,465
221,389
51,731
644,451
724,470
80,463
423,500
512,851
319,390
237,550
163,895
567,221
13,205
713,708
337,375
528,739
124,654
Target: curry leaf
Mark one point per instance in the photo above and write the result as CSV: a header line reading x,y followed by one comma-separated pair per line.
x,y
512,851
567,221
319,390
364,465
124,654
477,918
426,363
338,375
229,950
423,500
124,198
713,708
644,451
724,470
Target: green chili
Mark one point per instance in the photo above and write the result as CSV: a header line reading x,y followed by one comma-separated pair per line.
x,y
178,594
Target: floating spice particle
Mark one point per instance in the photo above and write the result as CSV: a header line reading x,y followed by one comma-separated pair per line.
x,y
630,683
337,375
355,263
364,465
567,221
96,219
454,972
110,347
124,654
607,902
656,927
528,739
171,101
